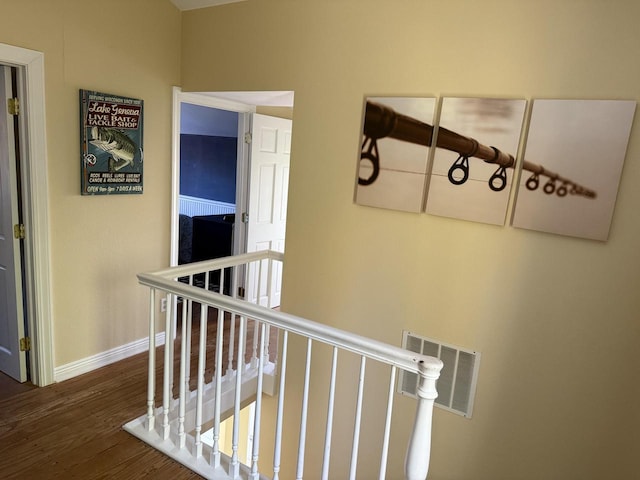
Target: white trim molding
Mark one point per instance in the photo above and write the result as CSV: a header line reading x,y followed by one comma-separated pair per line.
x,y
215,100
88,364
38,277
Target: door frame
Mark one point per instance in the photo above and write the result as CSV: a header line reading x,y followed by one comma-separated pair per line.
x,y
36,214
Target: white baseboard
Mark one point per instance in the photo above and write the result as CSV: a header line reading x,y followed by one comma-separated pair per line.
x,y
85,365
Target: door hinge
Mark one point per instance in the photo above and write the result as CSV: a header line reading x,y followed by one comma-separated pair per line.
x,y
247,138
25,344
13,106
245,217
18,231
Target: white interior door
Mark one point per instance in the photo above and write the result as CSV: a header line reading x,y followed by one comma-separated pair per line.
x,y
267,207
12,361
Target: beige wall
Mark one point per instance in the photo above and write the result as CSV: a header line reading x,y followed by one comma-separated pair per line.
x,y
98,244
280,112
556,318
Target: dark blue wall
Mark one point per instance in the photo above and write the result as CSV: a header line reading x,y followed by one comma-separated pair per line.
x,y
208,167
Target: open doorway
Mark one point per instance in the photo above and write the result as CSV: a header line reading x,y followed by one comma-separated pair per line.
x,y
208,170
211,215
13,330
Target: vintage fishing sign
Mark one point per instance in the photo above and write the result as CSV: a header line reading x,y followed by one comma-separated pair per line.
x,y
111,151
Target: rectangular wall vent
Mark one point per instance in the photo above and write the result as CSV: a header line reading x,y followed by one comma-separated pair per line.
x,y
457,383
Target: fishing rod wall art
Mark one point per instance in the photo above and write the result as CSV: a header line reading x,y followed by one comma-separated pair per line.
x,y
588,140
474,163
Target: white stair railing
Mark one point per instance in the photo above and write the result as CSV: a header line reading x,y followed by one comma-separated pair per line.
x,y
245,330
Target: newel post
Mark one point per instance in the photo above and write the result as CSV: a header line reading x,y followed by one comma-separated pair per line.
x,y
416,465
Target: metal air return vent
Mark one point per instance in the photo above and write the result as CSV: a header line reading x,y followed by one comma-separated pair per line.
x,y
457,383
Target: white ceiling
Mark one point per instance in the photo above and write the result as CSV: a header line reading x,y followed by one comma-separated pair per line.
x,y
193,4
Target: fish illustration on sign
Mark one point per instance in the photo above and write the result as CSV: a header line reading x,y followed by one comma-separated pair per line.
x,y
121,148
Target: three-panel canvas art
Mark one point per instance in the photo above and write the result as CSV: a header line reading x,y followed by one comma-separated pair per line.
x,y
467,158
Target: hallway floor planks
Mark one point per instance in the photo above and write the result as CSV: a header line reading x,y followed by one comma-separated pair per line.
x,y
73,429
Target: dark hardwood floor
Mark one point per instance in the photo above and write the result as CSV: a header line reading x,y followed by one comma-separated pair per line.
x,y
73,429
10,387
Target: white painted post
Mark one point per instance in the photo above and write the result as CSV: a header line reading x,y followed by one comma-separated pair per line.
x,y
254,354
259,281
329,429
187,319
303,417
232,333
215,451
269,283
234,465
267,344
183,382
232,325
279,419
168,369
151,380
358,421
202,356
387,426
416,464
255,449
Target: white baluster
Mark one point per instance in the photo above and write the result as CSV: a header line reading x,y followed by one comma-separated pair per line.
x,y
303,419
183,382
234,466
269,283
235,281
221,292
172,312
215,451
254,354
258,410
277,453
358,420
387,426
174,406
168,367
232,334
187,306
267,343
202,355
151,380
232,326
259,289
329,429
416,464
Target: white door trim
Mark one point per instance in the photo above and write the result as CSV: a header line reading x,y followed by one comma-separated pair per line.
x,y
37,253
175,175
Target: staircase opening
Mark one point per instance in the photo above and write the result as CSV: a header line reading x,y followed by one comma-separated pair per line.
x,y
245,445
